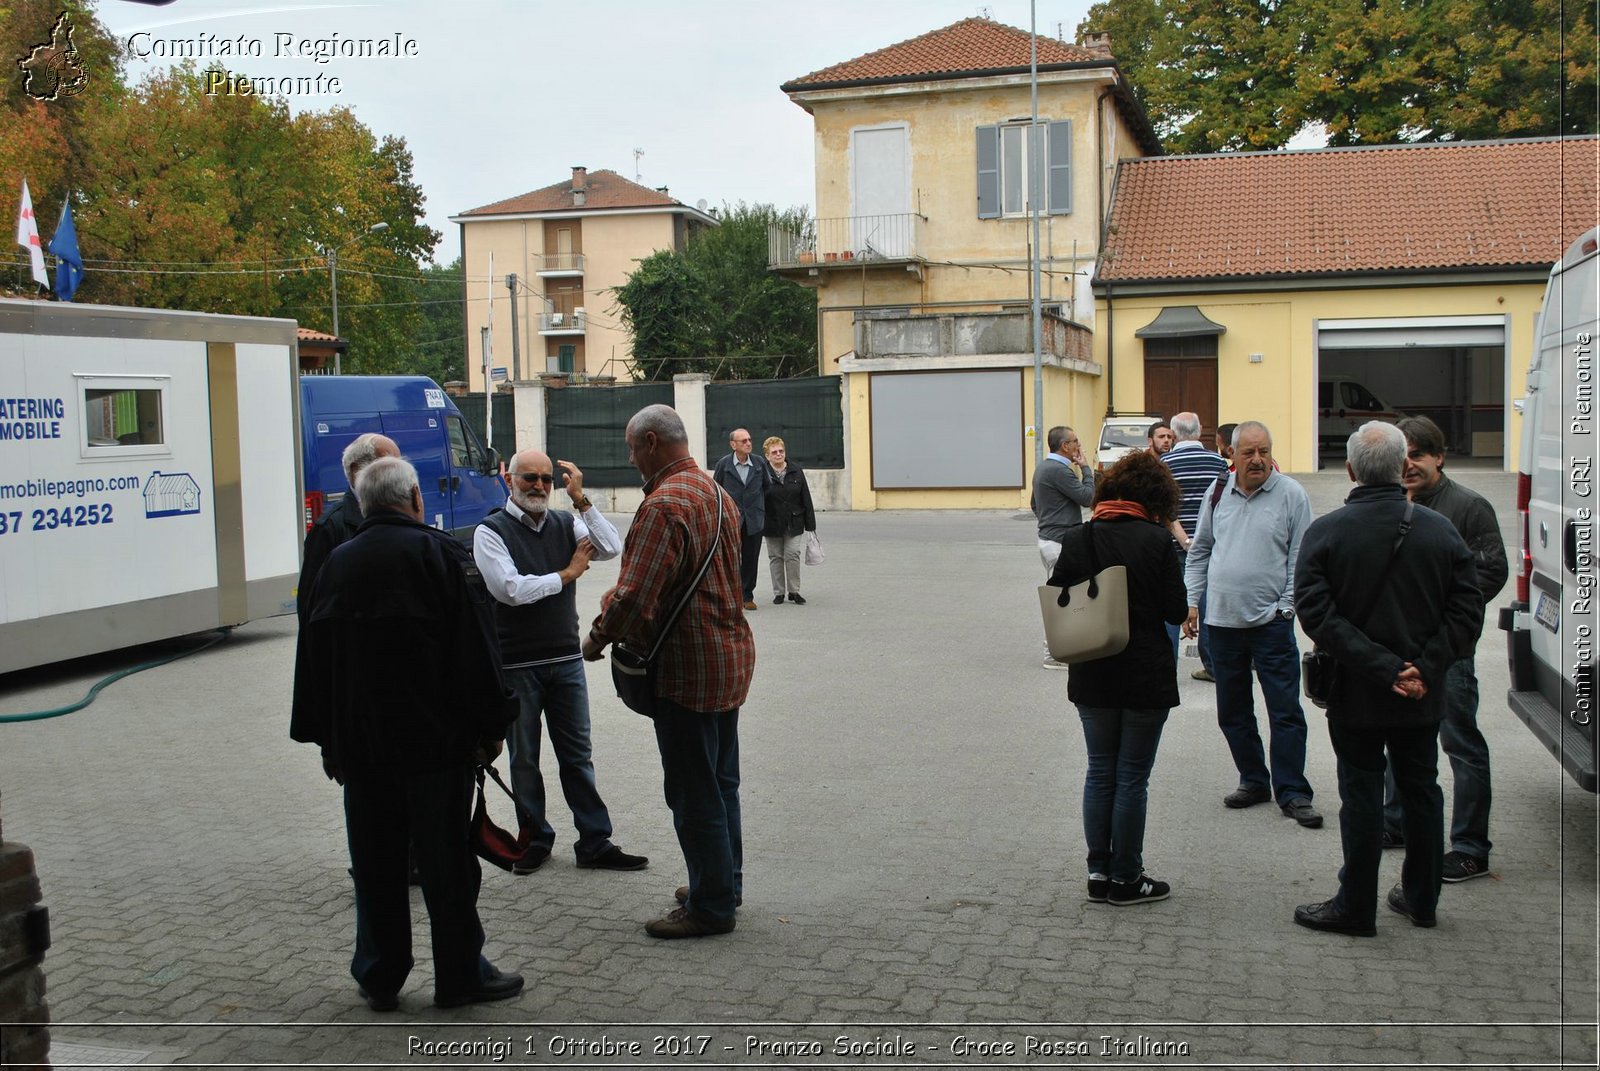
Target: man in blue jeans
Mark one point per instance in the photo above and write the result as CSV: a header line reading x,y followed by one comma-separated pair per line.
x,y
531,557
1242,563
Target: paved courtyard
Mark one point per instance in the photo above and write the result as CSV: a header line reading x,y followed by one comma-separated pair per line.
x,y
914,875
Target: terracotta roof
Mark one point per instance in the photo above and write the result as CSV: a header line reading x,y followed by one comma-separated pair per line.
x,y
966,47
603,190
1438,206
307,335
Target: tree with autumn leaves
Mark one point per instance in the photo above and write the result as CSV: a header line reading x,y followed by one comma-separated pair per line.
x,y
1219,75
227,204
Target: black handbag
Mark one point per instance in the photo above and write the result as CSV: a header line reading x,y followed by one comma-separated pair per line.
x,y
633,673
1319,670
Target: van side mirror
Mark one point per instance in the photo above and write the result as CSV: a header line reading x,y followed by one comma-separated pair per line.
x,y
491,466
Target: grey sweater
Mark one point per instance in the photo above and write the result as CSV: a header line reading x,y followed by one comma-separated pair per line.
x,y
1059,496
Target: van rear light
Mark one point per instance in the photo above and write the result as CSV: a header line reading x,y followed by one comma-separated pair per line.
x,y
314,505
1525,570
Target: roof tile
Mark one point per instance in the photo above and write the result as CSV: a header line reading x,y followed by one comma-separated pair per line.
x,y
971,45
1435,206
604,189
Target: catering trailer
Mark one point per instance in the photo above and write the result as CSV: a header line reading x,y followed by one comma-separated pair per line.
x,y
149,476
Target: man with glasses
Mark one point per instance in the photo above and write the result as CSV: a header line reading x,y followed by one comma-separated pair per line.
x,y
1063,484
745,477
531,557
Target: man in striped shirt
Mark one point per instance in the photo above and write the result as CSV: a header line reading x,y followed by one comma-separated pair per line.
x,y
704,666
1195,469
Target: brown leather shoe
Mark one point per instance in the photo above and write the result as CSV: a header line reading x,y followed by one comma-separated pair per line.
x,y
681,894
749,604
679,922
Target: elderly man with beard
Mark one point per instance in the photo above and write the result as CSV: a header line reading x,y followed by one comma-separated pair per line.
x,y
531,557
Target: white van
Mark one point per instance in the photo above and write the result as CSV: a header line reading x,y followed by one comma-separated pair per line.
x,y
1550,628
1343,405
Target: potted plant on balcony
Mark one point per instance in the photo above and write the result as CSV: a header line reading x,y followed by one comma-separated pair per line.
x,y
848,254
808,258
831,257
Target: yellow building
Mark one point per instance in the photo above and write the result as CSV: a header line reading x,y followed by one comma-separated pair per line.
x,y
568,246
1317,289
921,250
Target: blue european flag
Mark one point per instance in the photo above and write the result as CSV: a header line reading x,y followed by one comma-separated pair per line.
x,y
69,262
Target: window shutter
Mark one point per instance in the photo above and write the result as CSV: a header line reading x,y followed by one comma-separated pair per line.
x,y
988,172
1059,196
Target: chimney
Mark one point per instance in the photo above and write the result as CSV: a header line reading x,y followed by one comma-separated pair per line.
x,y
662,190
1097,42
580,183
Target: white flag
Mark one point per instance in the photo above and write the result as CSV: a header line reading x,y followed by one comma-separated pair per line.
x,y
28,237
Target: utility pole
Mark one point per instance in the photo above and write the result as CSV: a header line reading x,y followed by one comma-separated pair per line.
x,y
516,355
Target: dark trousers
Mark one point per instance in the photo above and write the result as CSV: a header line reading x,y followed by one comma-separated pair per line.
x,y
1272,650
431,812
1121,746
1414,754
750,548
700,767
1468,752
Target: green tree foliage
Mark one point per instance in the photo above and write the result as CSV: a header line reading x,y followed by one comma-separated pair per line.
x,y
1250,74
715,308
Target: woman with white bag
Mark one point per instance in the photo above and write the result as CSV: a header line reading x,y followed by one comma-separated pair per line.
x,y
790,517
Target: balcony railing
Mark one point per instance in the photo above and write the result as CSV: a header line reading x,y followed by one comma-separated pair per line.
x,y
563,323
848,240
561,264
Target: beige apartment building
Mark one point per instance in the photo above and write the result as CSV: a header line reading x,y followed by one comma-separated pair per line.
x,y
558,252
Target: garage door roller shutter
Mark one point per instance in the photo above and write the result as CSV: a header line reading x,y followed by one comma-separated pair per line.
x,y
1464,331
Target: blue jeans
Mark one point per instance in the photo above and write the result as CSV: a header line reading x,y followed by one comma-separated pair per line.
x,y
560,691
1121,745
1414,755
1468,753
700,767
1272,648
432,812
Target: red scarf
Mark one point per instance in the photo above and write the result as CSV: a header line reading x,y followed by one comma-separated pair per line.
x,y
1118,507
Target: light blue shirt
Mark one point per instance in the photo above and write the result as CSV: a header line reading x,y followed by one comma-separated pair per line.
x,y
1243,554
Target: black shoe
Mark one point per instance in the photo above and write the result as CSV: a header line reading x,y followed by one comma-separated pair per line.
x,y
495,986
1143,890
1099,888
531,860
797,598
614,858
380,1002
778,601
1325,916
681,894
681,922
1393,840
1459,866
1301,811
1247,796
1397,904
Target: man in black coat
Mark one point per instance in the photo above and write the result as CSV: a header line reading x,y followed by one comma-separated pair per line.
x,y
745,477
338,525
1395,607
397,678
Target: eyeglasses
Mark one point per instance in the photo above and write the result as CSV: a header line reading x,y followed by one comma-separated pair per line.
x,y
536,477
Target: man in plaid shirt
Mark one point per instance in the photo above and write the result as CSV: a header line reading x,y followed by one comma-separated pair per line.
x,y
705,664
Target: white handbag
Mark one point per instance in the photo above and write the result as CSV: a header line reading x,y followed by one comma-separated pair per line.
x,y
814,552
1088,620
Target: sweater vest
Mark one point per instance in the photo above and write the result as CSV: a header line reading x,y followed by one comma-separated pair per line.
x,y
547,630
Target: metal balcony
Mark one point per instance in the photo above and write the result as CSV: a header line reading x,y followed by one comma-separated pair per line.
x,y
848,242
555,265
563,323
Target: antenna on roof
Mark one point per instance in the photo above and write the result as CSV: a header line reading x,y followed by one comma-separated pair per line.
x,y
636,154
986,12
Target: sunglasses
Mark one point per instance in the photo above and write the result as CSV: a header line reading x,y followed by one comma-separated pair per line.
x,y
536,477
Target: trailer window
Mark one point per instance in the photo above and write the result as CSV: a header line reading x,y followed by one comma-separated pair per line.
x,y
122,417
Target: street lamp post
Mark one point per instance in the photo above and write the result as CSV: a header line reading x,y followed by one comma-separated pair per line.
x,y
333,285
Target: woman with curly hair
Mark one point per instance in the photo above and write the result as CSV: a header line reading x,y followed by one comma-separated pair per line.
x,y
1123,699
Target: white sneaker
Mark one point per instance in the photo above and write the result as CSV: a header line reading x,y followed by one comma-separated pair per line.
x,y
1051,663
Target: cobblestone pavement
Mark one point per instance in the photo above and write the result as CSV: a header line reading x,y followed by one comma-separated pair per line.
x,y
914,867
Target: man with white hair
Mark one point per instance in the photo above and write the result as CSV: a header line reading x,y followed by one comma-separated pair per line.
x,y
1389,590
1195,469
339,524
531,557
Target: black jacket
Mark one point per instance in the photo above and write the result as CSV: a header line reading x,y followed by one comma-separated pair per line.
x,y
398,670
1145,675
789,510
751,498
1475,519
335,527
1428,612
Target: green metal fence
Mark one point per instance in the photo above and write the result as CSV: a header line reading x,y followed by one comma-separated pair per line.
x,y
807,414
584,425
505,420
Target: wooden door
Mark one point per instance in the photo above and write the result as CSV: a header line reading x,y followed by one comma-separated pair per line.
x,y
1184,384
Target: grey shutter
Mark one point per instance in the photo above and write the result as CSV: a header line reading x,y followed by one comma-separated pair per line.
x,y
988,172
1059,197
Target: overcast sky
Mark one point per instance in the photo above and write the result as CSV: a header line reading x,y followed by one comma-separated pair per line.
x,y
505,96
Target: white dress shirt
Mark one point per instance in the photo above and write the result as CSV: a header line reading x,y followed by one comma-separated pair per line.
x,y
519,589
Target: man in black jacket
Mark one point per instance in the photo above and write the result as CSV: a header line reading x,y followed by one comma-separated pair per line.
x,y
1459,736
1395,606
339,524
745,477
397,677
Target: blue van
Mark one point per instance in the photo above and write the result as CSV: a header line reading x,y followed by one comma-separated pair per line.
x,y
460,476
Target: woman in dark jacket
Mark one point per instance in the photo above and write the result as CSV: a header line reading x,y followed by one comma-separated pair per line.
x,y
1123,700
789,518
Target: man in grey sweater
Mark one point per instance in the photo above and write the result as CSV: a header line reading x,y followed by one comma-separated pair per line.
x,y
1063,485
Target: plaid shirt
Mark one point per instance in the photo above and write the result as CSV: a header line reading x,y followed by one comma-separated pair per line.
x,y
709,656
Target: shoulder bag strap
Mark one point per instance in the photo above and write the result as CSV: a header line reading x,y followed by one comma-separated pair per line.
x,y
1405,527
672,619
